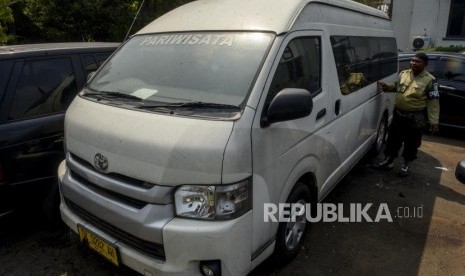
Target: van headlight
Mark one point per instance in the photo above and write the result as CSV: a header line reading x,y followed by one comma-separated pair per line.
x,y
213,202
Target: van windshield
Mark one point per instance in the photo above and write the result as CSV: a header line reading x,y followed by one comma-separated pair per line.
x,y
179,68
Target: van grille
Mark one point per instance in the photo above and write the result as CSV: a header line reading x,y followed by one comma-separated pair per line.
x,y
114,176
152,249
138,204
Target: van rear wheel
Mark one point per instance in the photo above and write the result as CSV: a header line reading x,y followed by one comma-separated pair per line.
x,y
290,235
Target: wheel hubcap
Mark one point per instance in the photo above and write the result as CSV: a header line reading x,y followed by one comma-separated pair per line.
x,y
295,230
381,134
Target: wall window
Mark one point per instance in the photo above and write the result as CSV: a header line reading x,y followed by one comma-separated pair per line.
x,y
456,26
361,61
45,87
299,67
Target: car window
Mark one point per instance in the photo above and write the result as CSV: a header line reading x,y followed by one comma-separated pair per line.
x,y
101,58
44,87
93,62
361,61
207,67
90,64
299,67
454,70
404,64
5,69
431,68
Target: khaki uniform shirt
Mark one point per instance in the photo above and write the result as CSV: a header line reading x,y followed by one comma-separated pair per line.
x,y
415,93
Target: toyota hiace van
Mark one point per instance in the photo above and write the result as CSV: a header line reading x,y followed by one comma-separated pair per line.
x,y
212,111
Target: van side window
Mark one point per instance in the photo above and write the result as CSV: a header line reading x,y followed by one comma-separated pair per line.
x,y
44,87
361,61
299,67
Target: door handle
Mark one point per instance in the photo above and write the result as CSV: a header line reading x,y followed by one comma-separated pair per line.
x,y
33,144
445,87
321,114
337,107
32,147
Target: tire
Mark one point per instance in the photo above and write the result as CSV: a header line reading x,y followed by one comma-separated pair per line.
x,y
51,206
380,138
290,235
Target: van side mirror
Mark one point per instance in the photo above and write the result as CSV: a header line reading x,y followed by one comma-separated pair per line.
x,y
288,104
460,171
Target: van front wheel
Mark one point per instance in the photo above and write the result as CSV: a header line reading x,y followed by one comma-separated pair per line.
x,y
290,235
380,138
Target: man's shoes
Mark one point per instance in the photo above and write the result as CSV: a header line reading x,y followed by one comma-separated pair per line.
x,y
404,170
386,164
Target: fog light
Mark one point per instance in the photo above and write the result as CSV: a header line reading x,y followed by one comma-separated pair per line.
x,y
210,268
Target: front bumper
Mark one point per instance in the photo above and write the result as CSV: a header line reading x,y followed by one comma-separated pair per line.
x,y
185,243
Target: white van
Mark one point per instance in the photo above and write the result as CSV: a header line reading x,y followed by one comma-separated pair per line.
x,y
213,110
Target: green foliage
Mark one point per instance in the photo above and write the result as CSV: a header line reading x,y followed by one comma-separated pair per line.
x,y
84,20
6,17
452,48
153,9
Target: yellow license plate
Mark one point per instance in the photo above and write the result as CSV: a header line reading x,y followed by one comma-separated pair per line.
x,y
98,244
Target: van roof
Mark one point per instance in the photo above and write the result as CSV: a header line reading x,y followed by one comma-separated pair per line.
x,y
246,15
56,47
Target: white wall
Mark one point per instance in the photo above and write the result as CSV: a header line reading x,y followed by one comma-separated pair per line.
x,y
411,17
432,15
401,21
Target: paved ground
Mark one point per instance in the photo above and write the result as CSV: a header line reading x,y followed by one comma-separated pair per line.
x,y
431,245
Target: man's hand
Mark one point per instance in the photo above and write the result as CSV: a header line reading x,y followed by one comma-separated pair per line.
x,y
383,86
433,128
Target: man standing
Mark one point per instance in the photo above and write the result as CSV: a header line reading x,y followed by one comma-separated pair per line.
x,y
416,92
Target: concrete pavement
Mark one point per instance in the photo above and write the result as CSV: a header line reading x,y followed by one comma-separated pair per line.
x,y
433,244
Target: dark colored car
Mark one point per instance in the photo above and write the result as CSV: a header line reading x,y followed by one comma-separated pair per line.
x,y
37,84
449,70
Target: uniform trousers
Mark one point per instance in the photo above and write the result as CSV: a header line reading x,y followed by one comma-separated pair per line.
x,y
402,131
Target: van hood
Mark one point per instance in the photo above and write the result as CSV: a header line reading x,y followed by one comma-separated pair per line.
x,y
156,148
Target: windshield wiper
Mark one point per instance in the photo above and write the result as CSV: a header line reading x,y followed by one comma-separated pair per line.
x,y
189,105
111,94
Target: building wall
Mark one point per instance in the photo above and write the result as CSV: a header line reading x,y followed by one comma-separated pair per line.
x,y
424,19
401,22
411,18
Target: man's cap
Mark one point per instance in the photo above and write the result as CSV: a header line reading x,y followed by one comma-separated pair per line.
x,y
422,56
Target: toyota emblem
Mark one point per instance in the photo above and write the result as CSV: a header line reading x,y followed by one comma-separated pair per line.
x,y
101,162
